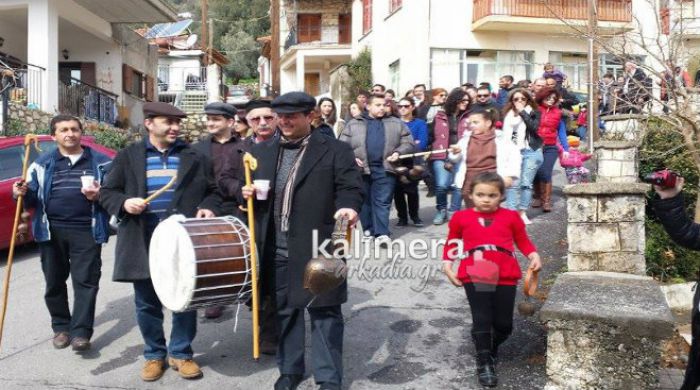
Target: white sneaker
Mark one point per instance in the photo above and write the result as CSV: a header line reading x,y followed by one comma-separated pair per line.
x,y
367,235
383,240
525,219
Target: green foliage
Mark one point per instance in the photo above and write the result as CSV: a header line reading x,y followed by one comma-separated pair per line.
x,y
106,135
236,25
663,148
360,72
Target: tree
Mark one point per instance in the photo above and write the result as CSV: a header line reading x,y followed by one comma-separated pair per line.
x,y
236,25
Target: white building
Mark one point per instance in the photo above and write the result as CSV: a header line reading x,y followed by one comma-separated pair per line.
x,y
79,57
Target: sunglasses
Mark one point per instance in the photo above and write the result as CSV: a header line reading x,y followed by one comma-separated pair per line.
x,y
257,119
483,96
404,106
519,99
465,101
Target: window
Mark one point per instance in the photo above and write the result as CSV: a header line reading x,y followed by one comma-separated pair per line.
x,y
394,5
308,28
137,84
366,16
344,28
11,162
453,67
573,65
394,75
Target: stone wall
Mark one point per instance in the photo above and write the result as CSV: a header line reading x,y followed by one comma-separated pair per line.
x,y
33,121
194,127
618,161
606,227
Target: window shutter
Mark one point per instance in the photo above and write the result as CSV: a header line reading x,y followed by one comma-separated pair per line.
x,y
150,88
127,75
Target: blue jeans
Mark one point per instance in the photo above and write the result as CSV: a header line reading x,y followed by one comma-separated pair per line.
x,y
550,154
149,316
444,184
379,192
519,196
582,132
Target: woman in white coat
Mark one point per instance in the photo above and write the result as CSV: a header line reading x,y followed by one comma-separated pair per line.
x,y
483,148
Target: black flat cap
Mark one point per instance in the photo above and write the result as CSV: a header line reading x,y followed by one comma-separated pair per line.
x,y
257,103
292,102
219,108
154,109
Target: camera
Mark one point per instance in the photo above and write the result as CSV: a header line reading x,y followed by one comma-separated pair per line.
x,y
664,178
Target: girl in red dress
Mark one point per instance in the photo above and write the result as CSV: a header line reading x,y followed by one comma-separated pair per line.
x,y
488,271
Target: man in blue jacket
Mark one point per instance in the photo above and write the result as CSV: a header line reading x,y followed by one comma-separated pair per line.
x,y
70,227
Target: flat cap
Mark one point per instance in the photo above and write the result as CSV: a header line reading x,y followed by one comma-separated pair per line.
x,y
292,102
153,109
219,108
257,103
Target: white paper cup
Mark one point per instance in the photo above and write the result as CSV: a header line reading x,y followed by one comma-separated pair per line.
x,y
88,181
262,187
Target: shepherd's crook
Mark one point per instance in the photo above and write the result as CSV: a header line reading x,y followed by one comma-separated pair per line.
x,y
251,164
28,139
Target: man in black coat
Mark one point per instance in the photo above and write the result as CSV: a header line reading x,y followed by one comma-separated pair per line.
x,y
313,181
139,170
671,211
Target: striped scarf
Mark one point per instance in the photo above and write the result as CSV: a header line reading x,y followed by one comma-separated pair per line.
x,y
288,194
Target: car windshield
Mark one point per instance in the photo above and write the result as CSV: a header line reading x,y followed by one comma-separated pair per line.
x,y
11,158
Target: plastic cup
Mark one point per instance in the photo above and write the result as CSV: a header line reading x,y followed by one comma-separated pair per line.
x,y
262,187
88,181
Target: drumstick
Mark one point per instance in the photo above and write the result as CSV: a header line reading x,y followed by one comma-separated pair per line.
x,y
422,153
160,191
29,138
251,164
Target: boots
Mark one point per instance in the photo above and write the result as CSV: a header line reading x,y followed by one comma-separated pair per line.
x,y
485,370
498,339
536,195
547,197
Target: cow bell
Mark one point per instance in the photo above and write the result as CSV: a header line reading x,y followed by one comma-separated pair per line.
x,y
324,274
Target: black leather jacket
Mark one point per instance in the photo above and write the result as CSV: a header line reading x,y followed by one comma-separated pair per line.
x,y
671,213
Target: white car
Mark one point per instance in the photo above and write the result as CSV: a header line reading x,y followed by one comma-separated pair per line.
x,y
238,96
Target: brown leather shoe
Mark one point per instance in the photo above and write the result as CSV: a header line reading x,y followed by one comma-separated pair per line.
x,y
152,370
187,368
537,195
547,198
61,340
80,344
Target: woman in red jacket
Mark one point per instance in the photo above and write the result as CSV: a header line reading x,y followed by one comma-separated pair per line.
x,y
549,130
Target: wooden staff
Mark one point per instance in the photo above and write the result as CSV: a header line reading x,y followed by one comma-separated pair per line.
x,y
251,164
161,191
410,155
28,139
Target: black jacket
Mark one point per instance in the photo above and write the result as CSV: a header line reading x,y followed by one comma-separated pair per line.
x,y
671,212
195,189
328,179
532,123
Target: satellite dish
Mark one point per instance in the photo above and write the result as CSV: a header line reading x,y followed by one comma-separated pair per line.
x,y
184,44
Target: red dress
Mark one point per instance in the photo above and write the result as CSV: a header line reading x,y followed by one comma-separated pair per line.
x,y
501,228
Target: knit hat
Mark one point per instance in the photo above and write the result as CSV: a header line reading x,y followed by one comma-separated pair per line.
x,y
573,141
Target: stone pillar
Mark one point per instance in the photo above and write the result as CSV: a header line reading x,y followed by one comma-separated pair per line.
x,y
606,227
617,161
213,78
42,44
301,71
605,320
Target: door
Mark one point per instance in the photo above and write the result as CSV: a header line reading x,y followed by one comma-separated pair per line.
x,y
312,84
344,28
308,28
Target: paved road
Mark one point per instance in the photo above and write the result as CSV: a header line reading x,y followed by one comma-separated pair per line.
x,y
402,332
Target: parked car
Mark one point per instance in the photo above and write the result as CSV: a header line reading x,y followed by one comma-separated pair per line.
x,y
11,156
238,95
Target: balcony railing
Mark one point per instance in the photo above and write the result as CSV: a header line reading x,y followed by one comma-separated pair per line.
x,y
84,100
608,10
27,86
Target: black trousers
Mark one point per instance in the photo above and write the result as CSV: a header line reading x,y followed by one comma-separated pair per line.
x,y
692,372
71,252
492,314
402,194
327,329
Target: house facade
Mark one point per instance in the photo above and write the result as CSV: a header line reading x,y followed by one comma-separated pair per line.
x,y
80,57
315,37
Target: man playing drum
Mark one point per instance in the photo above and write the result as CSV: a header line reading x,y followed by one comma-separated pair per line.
x,y
313,179
139,170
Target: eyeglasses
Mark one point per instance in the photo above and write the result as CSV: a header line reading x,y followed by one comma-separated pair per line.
x,y
483,96
465,101
257,119
519,99
404,106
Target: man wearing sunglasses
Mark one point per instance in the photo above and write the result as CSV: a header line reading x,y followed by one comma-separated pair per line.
x,y
262,121
485,102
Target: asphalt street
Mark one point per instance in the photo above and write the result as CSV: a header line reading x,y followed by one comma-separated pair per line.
x,y
406,328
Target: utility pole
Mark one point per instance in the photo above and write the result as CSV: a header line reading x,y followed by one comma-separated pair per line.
x,y
275,46
593,65
204,39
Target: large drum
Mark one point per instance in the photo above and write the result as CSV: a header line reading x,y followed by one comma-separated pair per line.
x,y
200,262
